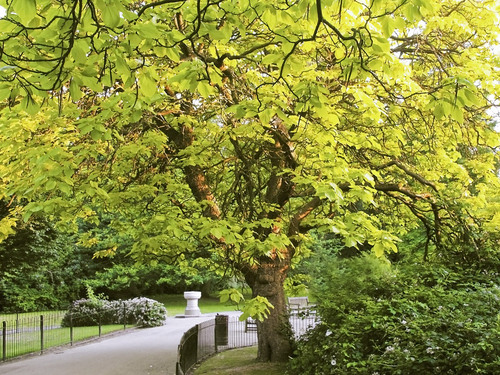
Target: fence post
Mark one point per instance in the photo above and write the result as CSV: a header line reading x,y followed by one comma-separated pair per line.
x,y
124,316
41,334
100,314
221,330
4,340
71,328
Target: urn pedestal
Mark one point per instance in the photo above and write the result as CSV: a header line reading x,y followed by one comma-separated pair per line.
x,y
192,308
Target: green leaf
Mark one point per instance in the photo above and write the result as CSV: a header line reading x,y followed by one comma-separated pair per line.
x,y
231,294
25,9
224,297
235,297
91,82
74,90
111,15
29,105
7,67
51,184
471,96
257,308
147,85
79,55
378,249
4,94
173,54
216,232
350,241
388,26
224,33
122,67
205,89
6,227
331,192
175,35
272,58
239,110
149,30
266,115
412,12
439,111
269,17
457,115
96,135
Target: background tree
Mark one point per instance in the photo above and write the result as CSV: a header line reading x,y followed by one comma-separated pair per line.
x,y
37,267
225,130
44,268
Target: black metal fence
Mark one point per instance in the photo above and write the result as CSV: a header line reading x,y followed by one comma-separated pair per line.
x,y
228,332
302,319
28,333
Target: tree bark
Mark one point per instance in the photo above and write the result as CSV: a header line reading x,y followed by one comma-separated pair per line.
x,y
274,333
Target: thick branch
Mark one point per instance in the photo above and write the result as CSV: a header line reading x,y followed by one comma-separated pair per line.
x,y
195,177
403,190
416,176
201,191
280,186
301,214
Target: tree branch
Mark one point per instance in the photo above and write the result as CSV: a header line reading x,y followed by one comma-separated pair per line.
x,y
404,168
157,3
301,214
403,190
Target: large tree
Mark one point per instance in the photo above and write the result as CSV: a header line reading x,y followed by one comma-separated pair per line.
x,y
223,131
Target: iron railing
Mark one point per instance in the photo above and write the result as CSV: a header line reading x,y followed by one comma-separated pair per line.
x,y
28,333
228,332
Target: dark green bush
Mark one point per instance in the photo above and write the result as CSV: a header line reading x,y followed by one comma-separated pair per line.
x,y
416,319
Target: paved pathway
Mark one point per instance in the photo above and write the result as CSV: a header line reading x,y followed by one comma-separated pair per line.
x,y
150,351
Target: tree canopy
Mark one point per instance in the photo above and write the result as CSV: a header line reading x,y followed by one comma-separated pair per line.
x,y
224,131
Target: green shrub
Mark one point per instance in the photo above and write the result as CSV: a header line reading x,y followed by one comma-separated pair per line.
x,y
414,320
144,312
89,312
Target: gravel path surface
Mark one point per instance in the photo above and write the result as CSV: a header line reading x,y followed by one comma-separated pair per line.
x,y
149,351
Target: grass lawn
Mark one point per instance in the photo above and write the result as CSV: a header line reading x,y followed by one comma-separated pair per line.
x,y
31,315
23,332
24,342
176,304
239,362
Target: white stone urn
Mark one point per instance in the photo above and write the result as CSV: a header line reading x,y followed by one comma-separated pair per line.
x,y
192,308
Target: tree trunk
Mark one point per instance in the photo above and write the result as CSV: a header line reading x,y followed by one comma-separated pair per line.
x,y
274,333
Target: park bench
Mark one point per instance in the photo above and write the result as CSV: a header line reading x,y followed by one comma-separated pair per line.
x,y
250,325
298,304
295,306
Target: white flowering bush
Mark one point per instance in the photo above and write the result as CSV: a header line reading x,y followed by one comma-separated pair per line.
x,y
147,312
144,312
